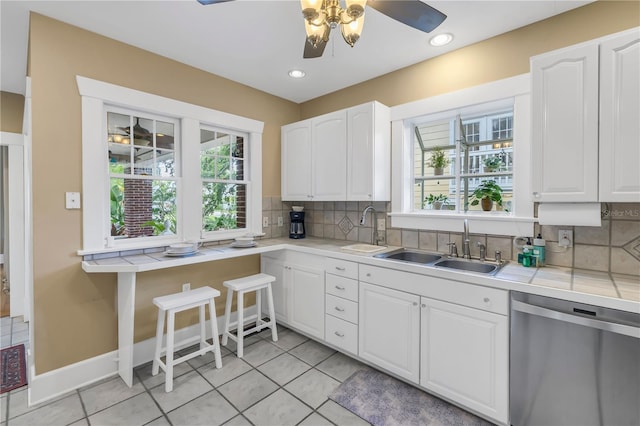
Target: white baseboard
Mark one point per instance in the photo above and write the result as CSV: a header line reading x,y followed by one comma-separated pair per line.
x,y
49,385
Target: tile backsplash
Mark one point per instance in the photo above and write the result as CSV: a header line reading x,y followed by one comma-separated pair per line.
x,y
613,247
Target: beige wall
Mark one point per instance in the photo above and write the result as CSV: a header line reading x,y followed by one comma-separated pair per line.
x,y
500,57
74,312
11,112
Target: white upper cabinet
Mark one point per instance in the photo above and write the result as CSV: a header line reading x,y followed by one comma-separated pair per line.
x,y
565,124
329,156
343,155
575,159
368,153
620,118
296,161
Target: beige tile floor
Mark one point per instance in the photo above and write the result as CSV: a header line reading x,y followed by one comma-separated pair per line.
x,y
276,383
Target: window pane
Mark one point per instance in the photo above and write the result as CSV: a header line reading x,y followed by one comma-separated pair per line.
x,y
223,206
237,147
142,207
143,161
165,136
165,164
142,131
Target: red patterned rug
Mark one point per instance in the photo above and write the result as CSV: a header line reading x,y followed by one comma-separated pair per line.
x,y
13,366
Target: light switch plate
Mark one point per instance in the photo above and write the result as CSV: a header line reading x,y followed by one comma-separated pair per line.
x,y
72,200
265,221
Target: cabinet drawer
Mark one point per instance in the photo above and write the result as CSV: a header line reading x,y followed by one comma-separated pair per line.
x,y
471,295
342,334
346,288
342,308
342,268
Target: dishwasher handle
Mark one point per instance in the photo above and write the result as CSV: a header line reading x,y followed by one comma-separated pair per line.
x,y
613,327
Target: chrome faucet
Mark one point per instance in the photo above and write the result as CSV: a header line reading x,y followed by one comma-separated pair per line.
x,y
466,251
374,222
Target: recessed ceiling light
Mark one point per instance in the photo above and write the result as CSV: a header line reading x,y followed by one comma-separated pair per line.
x,y
441,39
296,73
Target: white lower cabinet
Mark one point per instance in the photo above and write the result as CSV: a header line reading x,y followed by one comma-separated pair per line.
x,y
298,292
389,331
341,320
464,356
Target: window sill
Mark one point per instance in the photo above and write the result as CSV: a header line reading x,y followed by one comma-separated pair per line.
x,y
494,223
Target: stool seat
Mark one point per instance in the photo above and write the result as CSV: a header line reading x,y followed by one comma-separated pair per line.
x,y
169,305
257,283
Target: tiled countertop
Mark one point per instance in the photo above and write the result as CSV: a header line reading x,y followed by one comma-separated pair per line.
x,y
614,291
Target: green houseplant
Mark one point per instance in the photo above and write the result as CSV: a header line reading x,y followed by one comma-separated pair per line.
x,y
436,201
493,163
486,194
438,161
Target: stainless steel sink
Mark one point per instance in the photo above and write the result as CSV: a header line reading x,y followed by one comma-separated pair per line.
x,y
468,266
441,261
412,256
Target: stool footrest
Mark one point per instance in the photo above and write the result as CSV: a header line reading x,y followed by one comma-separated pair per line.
x,y
187,357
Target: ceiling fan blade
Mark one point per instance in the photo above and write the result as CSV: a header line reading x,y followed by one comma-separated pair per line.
x,y
206,2
313,52
413,13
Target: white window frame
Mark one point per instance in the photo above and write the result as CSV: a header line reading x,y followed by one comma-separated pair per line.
x,y
516,91
95,175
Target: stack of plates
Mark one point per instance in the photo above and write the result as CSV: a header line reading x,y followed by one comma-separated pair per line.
x,y
181,249
243,242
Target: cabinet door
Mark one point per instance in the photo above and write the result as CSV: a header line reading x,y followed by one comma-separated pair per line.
x,y
368,153
278,288
296,161
389,330
565,125
306,304
464,356
329,156
619,124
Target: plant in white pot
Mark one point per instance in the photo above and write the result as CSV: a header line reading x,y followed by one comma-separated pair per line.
x,y
436,201
438,161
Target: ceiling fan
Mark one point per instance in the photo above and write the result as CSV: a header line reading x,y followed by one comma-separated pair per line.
x,y
323,15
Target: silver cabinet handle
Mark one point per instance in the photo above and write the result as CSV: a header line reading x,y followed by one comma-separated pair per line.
x,y
341,268
536,195
486,300
424,305
368,274
339,287
415,303
339,309
339,334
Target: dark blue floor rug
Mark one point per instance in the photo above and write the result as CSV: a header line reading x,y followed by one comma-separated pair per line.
x,y
385,401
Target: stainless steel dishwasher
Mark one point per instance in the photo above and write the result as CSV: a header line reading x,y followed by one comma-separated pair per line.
x,y
573,364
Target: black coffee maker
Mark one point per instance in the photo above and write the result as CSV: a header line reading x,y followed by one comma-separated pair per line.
x,y
296,229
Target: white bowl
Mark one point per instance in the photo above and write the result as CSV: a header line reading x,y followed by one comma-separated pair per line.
x,y
182,247
297,208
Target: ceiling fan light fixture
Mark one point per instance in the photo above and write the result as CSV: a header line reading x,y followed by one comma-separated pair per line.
x,y
355,8
441,39
316,32
351,31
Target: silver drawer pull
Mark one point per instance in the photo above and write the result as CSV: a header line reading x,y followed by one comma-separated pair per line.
x,y
341,268
339,287
487,300
339,309
368,274
337,333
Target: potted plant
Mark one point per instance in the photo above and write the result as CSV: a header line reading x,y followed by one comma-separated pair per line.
x,y
493,163
436,201
486,194
438,161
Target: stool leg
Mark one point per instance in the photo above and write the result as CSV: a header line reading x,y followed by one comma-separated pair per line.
x,y
259,308
214,333
227,316
240,329
168,385
203,329
159,335
272,314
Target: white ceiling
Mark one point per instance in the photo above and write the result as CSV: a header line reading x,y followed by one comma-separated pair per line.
x,y
257,42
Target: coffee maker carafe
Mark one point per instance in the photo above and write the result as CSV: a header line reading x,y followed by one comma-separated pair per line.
x,y
296,229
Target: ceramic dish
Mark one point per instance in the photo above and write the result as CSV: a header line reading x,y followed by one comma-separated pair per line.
x,y
243,244
182,248
179,254
244,239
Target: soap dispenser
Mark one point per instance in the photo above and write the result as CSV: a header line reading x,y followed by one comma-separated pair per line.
x,y
539,250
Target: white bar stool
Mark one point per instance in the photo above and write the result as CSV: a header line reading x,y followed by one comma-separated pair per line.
x,y
256,283
178,302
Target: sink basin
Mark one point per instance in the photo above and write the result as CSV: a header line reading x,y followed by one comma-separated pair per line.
x,y
468,266
412,256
